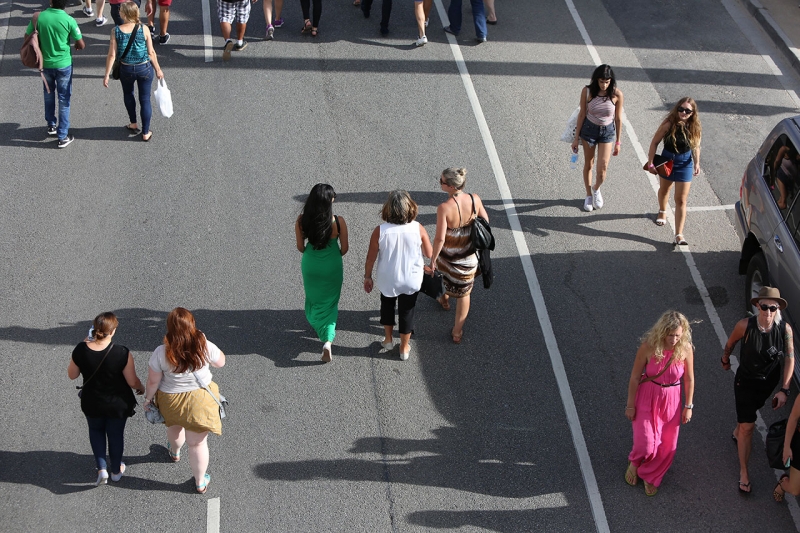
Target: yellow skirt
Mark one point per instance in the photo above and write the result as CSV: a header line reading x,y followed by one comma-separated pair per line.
x,y
195,410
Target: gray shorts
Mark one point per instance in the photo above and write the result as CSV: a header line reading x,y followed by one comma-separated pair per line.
x,y
233,11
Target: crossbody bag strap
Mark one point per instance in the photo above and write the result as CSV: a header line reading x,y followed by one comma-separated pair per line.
x,y
206,388
660,373
98,366
130,42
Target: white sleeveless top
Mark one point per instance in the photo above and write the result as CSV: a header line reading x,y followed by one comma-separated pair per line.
x,y
400,262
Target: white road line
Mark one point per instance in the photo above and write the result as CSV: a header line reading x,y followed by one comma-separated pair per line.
x,y
794,509
207,40
567,400
710,207
212,516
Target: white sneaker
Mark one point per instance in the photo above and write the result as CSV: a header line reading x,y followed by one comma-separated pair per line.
x,y
597,199
387,345
587,204
404,356
117,477
102,477
422,41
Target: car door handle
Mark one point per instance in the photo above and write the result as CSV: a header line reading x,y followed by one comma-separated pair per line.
x,y
778,244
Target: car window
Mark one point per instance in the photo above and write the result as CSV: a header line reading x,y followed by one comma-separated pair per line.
x,y
781,173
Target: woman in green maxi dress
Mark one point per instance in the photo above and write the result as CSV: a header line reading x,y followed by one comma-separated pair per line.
x,y
326,236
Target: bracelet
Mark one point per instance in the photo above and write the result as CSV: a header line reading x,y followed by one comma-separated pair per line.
x,y
618,143
689,406
367,277
650,166
630,408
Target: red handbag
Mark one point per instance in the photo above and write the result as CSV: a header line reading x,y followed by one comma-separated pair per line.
x,y
662,166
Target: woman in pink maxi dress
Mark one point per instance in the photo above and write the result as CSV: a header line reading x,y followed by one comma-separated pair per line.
x,y
654,399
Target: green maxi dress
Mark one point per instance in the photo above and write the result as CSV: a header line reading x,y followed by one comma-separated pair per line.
x,y
323,275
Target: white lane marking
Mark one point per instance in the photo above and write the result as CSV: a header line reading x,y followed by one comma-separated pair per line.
x,y
755,35
794,509
212,516
208,43
710,207
567,400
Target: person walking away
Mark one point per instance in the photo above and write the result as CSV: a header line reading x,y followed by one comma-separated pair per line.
x,y
163,18
136,67
278,22
599,124
766,342
654,399
179,384
107,401
398,245
56,28
322,266
311,22
478,18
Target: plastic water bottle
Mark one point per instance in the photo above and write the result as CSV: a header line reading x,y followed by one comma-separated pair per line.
x,y
573,160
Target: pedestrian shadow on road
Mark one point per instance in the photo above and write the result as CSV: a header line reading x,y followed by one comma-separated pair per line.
x,y
12,134
64,473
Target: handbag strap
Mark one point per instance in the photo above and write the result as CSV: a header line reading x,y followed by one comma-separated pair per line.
x,y
98,366
130,42
206,388
660,373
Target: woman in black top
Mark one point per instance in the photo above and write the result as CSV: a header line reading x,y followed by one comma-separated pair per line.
x,y
681,132
106,397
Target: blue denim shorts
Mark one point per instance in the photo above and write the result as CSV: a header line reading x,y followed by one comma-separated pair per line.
x,y
593,134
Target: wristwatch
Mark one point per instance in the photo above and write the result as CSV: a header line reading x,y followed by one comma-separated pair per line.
x,y
785,391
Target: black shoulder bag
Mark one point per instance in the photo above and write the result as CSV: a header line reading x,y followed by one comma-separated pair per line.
x,y
80,389
118,61
481,233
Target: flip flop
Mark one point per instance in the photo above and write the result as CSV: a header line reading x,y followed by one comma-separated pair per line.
x,y
650,490
457,338
631,478
203,487
444,303
128,127
745,485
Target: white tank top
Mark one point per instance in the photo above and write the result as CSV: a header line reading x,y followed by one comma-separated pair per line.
x,y
400,262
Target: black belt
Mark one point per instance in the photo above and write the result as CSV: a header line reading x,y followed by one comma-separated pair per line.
x,y
668,384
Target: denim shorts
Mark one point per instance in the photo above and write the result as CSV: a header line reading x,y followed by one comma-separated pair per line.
x,y
592,134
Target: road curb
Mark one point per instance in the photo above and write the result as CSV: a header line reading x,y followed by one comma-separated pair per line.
x,y
782,41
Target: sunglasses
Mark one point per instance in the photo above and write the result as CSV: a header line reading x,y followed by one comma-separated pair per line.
x,y
765,307
685,110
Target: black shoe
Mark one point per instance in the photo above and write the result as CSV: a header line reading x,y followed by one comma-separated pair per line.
x,y
52,130
239,47
480,39
63,143
448,30
365,11
163,39
384,30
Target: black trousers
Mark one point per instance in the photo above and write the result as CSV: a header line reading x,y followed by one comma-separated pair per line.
x,y
386,11
405,310
305,5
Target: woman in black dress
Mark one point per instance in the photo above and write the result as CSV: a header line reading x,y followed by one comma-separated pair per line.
x,y
106,397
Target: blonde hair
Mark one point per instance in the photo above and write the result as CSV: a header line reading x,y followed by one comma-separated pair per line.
x,y
455,177
129,12
669,322
399,207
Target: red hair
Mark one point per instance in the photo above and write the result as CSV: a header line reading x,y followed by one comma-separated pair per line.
x,y
184,344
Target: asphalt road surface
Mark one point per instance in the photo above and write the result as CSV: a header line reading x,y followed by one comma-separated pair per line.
x,y
519,428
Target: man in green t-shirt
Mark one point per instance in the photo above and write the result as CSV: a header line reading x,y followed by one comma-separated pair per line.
x,y
56,28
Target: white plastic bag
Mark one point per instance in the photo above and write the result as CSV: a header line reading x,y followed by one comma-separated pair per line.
x,y
163,98
569,132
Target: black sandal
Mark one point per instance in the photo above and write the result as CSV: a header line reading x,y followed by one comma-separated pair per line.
x,y
306,26
747,486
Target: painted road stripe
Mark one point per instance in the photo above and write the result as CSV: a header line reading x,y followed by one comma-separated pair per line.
x,y
208,43
533,285
212,516
710,207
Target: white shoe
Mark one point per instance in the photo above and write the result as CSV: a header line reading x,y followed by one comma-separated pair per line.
x,y
404,356
387,345
326,353
587,204
422,41
597,199
117,477
426,22
102,477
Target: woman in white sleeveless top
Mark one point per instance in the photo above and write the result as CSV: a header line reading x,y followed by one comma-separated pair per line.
x,y
399,245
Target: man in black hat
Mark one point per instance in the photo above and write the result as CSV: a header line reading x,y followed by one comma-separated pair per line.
x,y
766,340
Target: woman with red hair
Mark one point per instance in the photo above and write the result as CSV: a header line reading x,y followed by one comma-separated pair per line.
x,y
179,380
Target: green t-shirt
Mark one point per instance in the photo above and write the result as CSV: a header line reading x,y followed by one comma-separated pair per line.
x,y
55,30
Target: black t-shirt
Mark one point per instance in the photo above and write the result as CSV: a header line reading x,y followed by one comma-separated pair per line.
x,y
761,353
107,394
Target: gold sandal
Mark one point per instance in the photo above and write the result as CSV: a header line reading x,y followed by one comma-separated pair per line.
x,y
630,476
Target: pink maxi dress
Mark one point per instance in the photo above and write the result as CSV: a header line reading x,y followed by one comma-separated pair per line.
x,y
658,421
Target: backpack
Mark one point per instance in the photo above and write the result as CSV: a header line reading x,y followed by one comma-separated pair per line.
x,y
30,53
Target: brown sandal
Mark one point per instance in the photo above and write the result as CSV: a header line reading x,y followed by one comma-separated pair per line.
x,y
444,302
778,496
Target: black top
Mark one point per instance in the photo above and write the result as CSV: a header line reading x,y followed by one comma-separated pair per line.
x,y
761,353
678,145
107,394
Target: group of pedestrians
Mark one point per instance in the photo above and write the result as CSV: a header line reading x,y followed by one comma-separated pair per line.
x,y
599,123
179,387
398,247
